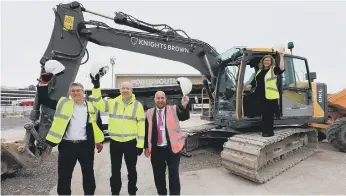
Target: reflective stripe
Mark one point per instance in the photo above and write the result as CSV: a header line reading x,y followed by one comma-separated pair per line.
x,y
140,137
133,117
97,99
57,135
134,112
270,79
122,135
96,113
273,89
113,115
175,118
174,130
106,105
177,140
141,120
58,111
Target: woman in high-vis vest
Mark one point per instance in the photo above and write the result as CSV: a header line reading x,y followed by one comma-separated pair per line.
x,y
267,92
164,140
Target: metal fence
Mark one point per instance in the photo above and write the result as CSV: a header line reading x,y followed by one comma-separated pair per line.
x,y
15,110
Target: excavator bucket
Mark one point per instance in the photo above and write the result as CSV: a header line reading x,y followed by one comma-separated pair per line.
x,y
32,150
15,155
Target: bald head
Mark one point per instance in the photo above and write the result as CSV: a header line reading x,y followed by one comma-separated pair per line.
x,y
126,85
126,90
160,94
160,99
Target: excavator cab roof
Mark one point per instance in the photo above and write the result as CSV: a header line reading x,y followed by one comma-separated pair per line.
x,y
236,52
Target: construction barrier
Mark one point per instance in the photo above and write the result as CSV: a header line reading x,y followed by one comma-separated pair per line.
x,y
15,111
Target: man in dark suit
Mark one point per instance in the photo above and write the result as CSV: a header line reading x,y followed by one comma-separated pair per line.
x,y
161,143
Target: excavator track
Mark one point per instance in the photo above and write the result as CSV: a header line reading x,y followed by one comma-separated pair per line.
x,y
261,159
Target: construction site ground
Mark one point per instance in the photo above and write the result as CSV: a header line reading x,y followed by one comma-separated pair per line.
x,y
202,174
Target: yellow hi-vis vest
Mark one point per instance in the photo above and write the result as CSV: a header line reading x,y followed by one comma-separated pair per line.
x,y
125,123
62,117
271,90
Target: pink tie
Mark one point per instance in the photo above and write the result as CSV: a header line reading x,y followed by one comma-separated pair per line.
x,y
159,124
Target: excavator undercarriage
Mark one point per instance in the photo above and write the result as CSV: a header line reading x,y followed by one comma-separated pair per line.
x,y
261,159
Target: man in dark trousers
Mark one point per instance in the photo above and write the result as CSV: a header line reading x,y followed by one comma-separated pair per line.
x,y
75,131
164,141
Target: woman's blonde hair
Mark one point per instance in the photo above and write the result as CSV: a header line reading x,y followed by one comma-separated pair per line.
x,y
260,64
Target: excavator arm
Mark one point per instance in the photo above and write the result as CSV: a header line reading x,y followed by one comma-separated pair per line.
x,y
68,45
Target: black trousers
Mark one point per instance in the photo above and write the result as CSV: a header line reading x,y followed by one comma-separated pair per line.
x,y
160,158
268,109
129,150
69,153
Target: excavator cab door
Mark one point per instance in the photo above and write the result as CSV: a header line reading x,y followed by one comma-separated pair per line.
x,y
296,96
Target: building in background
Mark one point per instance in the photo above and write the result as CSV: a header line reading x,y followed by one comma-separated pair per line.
x,y
155,80
17,96
146,85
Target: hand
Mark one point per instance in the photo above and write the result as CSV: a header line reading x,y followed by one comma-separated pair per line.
x,y
139,151
46,77
147,153
95,81
99,147
185,101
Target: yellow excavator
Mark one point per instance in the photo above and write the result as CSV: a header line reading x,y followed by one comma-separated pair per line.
x,y
233,117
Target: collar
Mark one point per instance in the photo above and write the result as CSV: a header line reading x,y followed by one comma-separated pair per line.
x,y
83,104
163,109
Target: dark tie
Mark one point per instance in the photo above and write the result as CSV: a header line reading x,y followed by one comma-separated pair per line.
x,y
159,124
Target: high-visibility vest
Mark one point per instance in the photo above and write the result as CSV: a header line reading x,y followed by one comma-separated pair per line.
x,y
271,90
62,117
125,123
173,128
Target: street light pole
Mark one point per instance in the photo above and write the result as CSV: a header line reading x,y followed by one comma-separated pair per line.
x,y
112,61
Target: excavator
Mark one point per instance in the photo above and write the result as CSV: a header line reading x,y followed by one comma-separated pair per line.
x,y
234,118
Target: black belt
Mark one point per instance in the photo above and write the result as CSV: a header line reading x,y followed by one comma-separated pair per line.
x,y
75,141
162,146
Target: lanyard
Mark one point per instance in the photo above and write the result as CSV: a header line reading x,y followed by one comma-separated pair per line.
x,y
160,116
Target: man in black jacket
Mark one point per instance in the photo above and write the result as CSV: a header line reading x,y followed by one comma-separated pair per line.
x,y
161,152
78,142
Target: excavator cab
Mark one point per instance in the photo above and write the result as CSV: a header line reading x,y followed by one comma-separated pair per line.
x,y
238,107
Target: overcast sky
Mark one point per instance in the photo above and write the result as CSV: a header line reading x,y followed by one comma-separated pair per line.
x,y
318,30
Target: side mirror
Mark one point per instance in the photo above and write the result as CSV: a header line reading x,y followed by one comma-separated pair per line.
x,y
185,85
313,76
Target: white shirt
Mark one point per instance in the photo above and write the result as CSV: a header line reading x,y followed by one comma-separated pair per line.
x,y
77,128
163,117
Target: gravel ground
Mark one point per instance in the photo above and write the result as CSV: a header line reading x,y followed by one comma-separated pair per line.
x,y
205,158
37,181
